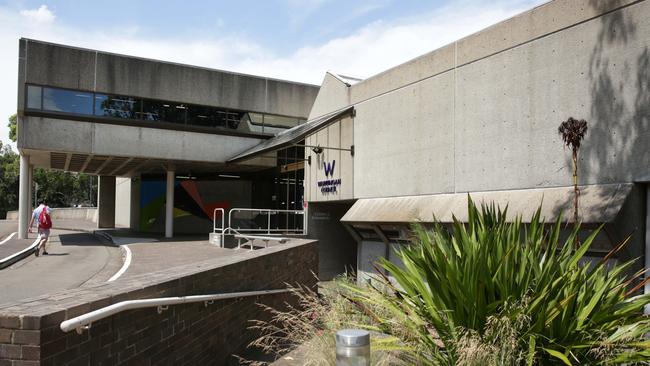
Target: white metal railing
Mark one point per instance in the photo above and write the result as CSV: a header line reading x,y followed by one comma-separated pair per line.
x,y
230,229
268,230
265,239
83,322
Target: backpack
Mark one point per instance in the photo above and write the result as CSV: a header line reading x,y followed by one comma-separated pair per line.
x,y
44,220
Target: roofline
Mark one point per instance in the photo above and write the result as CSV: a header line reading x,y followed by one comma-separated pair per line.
x,y
453,42
166,62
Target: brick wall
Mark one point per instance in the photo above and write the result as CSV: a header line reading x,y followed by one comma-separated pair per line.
x,y
188,334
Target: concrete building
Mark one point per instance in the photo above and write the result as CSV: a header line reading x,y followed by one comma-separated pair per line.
x,y
478,116
154,132
481,116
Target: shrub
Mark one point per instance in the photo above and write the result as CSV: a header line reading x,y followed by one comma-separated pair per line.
x,y
458,285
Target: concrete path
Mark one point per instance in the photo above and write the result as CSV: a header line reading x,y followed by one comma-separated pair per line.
x,y
153,255
75,258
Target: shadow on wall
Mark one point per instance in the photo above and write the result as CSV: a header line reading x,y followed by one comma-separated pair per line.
x,y
616,148
619,126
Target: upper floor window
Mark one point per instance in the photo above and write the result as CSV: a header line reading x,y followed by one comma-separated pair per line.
x,y
67,101
133,108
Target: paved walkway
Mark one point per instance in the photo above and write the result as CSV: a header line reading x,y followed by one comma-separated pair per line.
x,y
75,258
78,258
151,254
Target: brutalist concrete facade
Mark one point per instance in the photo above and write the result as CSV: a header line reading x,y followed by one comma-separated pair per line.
x,y
130,147
481,114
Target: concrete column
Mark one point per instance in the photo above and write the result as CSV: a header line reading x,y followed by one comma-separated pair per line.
x,y
24,211
31,187
169,205
647,243
135,204
106,202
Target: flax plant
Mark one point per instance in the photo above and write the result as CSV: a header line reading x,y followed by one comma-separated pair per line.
x,y
491,291
454,283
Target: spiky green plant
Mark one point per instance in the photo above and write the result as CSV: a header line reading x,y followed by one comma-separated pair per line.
x,y
457,281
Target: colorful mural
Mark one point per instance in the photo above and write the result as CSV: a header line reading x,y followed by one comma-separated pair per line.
x,y
194,203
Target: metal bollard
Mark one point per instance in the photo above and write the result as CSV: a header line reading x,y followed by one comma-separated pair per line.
x,y
352,347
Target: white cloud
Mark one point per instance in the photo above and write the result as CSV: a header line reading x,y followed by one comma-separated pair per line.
x,y
365,52
41,15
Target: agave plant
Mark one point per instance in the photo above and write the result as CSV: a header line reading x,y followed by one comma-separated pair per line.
x,y
572,132
455,284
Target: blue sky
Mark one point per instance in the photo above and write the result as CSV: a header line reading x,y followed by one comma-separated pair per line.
x,y
289,39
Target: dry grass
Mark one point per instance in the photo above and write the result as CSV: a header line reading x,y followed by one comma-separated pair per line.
x,y
311,324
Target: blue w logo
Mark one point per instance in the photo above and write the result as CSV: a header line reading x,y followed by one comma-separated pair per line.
x,y
329,169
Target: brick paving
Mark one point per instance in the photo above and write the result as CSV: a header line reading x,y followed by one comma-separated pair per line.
x,y
157,254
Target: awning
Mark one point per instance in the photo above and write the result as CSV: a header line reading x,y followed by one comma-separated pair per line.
x,y
597,204
293,135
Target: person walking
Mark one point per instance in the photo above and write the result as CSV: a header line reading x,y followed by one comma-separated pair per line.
x,y
42,215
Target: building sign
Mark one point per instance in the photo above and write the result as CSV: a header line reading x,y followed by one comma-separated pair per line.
x,y
329,185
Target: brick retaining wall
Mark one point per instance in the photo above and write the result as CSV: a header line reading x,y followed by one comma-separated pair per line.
x,y
188,334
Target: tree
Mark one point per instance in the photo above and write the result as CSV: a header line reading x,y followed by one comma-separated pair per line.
x,y
572,132
9,172
12,128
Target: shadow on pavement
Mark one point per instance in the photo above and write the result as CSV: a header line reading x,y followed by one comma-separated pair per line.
x,y
80,239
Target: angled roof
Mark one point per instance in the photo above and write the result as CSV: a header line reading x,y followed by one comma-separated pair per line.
x,y
598,204
293,135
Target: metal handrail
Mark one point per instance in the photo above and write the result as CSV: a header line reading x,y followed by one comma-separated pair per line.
x,y
265,239
83,322
222,229
270,212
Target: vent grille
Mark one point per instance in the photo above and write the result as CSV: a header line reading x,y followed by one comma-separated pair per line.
x,y
57,160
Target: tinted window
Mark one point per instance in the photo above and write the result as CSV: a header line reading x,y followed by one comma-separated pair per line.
x,y
69,101
117,107
34,97
164,111
203,116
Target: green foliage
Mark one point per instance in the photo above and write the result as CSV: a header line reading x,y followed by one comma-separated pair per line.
x,y
65,189
455,285
9,169
12,128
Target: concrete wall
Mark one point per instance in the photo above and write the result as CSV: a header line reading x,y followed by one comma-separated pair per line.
x,y
334,94
189,334
337,249
76,68
106,202
482,113
39,133
338,135
123,202
66,213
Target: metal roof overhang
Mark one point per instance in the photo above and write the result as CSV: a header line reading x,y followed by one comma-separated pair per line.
x,y
293,135
598,204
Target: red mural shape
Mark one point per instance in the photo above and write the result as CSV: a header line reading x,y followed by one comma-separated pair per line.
x,y
208,207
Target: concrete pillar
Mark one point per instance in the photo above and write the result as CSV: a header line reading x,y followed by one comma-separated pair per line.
x,y
106,202
169,205
31,187
135,204
24,211
647,243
